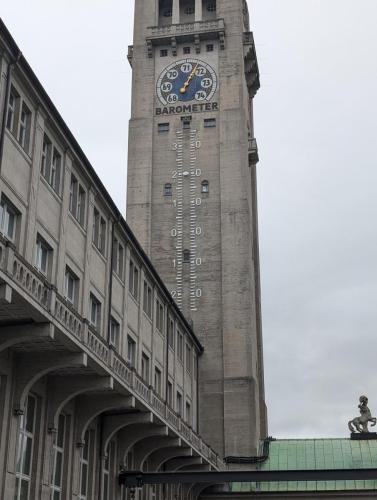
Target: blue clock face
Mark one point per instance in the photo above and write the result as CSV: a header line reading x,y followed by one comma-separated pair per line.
x,y
187,80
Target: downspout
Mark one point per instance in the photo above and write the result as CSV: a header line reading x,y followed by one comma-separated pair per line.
x,y
252,460
5,110
101,459
167,356
197,395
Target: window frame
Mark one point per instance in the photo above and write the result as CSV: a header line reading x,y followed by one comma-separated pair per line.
x,y
41,246
133,279
131,352
99,236
7,209
96,304
148,299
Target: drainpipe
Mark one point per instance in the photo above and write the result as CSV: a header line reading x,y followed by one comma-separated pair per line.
x,y
167,356
197,395
5,110
252,460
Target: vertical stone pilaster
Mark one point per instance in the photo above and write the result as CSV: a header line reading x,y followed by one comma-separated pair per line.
x,y
198,10
176,12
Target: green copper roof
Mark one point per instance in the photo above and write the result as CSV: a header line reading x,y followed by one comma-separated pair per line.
x,y
307,454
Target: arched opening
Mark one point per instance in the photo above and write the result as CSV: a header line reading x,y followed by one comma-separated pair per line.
x,y
165,12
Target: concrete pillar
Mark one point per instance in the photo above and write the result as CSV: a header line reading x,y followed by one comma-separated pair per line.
x,y
198,10
176,13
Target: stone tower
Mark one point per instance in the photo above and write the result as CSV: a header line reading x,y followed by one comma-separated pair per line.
x,y
191,197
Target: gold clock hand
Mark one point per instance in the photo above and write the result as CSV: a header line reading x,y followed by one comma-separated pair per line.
x,y
188,81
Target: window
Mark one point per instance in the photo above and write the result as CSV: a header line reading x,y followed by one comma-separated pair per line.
x,y
168,13
188,413
168,189
12,109
99,232
211,7
169,396
189,11
186,256
84,468
171,333
71,287
209,122
134,280
195,366
157,380
210,47
94,312
131,351
159,316
77,200
179,404
43,255
180,346
147,302
145,368
186,124
163,53
186,50
58,460
25,450
205,187
188,359
51,164
107,468
118,258
163,127
24,127
114,332
8,219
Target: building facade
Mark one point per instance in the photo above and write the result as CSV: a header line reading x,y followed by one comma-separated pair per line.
x,y
98,366
191,197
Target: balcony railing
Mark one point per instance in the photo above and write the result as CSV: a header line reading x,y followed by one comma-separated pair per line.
x,y
162,34
43,295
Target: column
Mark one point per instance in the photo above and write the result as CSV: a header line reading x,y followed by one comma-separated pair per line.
x,y
175,12
198,10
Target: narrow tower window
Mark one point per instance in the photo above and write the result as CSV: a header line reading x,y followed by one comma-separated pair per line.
x,y
168,189
186,255
205,187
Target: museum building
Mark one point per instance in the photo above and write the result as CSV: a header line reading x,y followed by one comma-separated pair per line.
x,y
138,345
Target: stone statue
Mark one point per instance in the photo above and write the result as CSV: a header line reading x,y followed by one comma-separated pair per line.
x,y
360,424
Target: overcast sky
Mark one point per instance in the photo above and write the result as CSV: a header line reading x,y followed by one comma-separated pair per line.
x,y
315,121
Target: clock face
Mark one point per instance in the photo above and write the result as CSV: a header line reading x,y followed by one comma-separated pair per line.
x,y
187,80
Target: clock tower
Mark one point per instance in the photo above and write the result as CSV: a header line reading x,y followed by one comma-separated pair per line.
x,y
191,197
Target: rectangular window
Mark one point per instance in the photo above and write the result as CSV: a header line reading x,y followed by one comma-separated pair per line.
x,y
24,127
157,381
163,53
99,232
179,407
84,467
43,255
147,300
71,287
145,367
180,346
171,333
77,200
159,316
163,127
118,258
131,351
186,124
25,448
114,332
209,122
186,50
94,312
12,109
51,164
188,413
210,47
188,358
58,460
169,396
134,280
8,219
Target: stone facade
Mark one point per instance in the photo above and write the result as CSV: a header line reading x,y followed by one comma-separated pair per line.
x,y
98,366
192,196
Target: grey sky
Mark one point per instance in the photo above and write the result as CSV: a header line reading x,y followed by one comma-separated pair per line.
x,y
315,121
